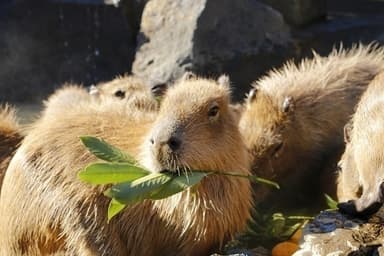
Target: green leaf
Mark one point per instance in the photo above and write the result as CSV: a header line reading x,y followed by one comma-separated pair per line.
x,y
253,178
133,192
106,173
332,204
278,223
264,181
105,151
178,184
114,208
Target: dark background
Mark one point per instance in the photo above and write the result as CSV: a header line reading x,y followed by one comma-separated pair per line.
x,y
44,43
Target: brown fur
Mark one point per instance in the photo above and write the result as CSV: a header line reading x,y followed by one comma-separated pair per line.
x,y
362,165
56,212
293,121
10,137
129,88
139,97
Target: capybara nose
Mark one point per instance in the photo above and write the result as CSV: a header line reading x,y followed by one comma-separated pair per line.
x,y
350,208
174,143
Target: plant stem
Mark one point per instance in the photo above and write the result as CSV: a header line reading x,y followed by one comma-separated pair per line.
x,y
250,177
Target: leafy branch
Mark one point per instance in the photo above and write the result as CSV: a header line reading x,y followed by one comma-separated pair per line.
x,y
132,183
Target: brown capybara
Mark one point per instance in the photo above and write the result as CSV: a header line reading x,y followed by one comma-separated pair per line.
x,y
361,177
348,185
45,209
293,120
10,137
68,96
132,89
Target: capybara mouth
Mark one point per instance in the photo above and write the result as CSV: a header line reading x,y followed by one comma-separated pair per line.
x,y
349,208
177,170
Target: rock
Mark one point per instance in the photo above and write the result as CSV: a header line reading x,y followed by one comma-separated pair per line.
x,y
242,38
258,251
300,12
133,9
332,233
46,43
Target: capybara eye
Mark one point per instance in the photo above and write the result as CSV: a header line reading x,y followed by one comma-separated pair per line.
x,y
120,94
213,111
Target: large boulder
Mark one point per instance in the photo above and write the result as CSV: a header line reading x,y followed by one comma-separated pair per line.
x,y
300,12
242,38
46,43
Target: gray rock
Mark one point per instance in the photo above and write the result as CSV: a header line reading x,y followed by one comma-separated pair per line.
x,y
46,43
332,233
242,38
259,251
300,12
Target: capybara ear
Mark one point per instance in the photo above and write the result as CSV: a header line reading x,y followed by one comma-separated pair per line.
x,y
93,90
188,75
224,81
159,89
287,104
252,94
347,132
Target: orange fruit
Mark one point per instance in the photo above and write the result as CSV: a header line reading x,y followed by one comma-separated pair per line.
x,y
285,249
295,238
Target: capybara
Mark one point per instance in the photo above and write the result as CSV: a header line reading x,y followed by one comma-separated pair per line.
x,y
45,209
69,95
293,120
10,137
132,89
360,183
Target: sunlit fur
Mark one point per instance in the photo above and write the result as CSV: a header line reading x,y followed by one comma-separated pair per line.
x,y
136,92
57,213
10,137
363,161
323,92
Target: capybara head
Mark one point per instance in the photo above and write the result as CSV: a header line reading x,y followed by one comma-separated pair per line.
x,y
264,125
362,164
131,89
196,129
125,87
348,184
122,87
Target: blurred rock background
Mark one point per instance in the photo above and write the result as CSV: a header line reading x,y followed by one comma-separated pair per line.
x,y
44,43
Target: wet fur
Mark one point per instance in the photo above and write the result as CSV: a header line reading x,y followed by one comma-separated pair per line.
x,y
56,213
293,123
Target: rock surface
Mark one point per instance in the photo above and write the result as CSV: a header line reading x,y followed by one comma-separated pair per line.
x,y
300,12
46,43
332,233
242,38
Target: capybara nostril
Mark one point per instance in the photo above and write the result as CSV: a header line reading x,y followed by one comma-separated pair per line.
x,y
174,143
151,141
